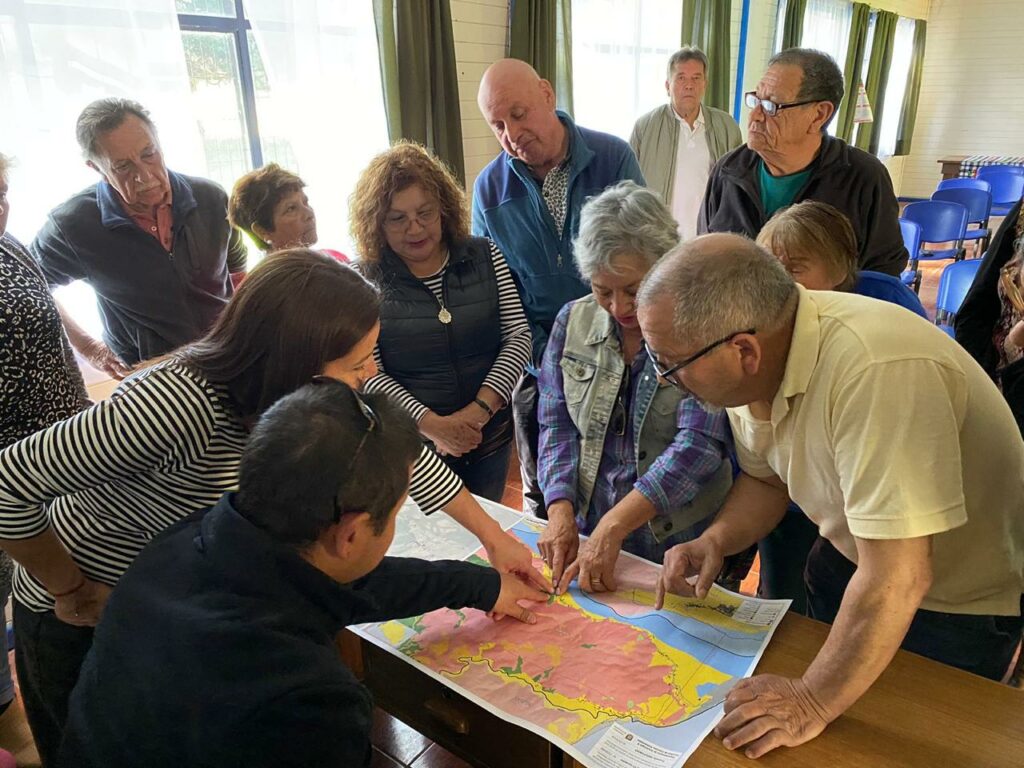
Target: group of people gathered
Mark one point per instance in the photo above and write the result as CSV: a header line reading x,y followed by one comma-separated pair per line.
x,y
187,549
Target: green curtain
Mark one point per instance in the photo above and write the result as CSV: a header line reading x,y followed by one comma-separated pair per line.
x,y
877,78
852,77
540,33
706,26
417,67
793,26
905,131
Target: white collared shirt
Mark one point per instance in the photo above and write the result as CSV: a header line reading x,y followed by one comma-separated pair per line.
x,y
693,166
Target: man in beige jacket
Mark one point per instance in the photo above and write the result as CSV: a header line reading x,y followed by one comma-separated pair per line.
x,y
678,143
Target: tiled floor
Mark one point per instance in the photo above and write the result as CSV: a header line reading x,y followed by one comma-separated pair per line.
x,y
395,745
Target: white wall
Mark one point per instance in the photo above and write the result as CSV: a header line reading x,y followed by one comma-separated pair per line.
x,y
480,28
970,90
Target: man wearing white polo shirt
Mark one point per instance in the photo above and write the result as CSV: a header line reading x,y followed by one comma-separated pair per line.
x,y
887,435
678,143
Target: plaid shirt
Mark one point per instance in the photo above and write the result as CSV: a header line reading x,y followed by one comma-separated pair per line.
x,y
673,480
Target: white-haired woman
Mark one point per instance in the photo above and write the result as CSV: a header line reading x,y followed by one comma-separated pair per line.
x,y
624,457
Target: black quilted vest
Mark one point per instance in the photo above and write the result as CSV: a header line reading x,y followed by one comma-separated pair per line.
x,y
443,365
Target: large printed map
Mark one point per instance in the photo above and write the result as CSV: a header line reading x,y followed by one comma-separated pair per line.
x,y
604,676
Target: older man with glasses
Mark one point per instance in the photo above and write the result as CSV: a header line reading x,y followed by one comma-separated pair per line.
x,y
918,502
789,157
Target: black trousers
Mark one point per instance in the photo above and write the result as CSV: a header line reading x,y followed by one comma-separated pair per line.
x,y
48,655
984,645
527,432
783,554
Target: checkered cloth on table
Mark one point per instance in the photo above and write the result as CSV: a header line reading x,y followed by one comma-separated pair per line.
x,y
969,166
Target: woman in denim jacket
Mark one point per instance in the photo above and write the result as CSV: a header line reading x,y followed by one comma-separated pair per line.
x,y
624,458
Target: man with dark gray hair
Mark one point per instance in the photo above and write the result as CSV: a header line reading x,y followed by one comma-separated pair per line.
x,y
678,143
154,245
919,501
789,157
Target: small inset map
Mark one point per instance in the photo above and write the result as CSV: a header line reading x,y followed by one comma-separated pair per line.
x,y
594,662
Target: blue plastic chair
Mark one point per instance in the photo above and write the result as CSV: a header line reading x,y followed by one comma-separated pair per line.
x,y
1018,169
1007,186
979,205
911,231
955,282
941,222
964,184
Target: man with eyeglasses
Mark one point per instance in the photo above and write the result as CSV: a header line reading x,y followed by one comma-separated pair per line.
x,y
678,142
918,499
218,646
528,201
789,157
154,245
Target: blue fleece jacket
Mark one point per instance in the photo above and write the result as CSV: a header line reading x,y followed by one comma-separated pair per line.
x,y
508,208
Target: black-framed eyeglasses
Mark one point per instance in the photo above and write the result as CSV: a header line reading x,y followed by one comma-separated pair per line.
x,y
371,424
669,374
770,107
620,415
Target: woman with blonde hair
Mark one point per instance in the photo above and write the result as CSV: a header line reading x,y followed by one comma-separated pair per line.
x,y
453,335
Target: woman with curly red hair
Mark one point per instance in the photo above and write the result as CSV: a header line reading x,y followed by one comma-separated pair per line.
x,y
454,338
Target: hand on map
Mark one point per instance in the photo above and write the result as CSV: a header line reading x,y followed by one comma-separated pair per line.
x,y
507,554
595,563
769,711
560,541
701,557
513,589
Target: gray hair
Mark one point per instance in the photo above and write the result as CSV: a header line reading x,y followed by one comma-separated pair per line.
x,y
5,165
624,220
684,54
103,116
823,80
720,284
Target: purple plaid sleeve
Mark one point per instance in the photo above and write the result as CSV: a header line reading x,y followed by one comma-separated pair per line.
x,y
696,453
558,454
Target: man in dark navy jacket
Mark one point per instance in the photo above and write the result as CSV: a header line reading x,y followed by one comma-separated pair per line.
x,y
217,647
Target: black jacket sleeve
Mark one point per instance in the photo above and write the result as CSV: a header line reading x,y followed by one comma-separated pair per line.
x,y
882,249
981,309
403,586
712,192
55,256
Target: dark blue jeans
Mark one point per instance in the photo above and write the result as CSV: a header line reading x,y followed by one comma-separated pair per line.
x,y
984,645
48,655
783,554
483,475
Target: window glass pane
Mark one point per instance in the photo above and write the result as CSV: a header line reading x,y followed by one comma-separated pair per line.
x,y
896,87
217,103
206,7
319,100
619,52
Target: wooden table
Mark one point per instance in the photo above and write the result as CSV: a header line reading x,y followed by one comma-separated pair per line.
x,y
919,713
951,166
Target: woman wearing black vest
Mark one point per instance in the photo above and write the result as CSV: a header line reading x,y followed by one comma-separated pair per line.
x,y
453,337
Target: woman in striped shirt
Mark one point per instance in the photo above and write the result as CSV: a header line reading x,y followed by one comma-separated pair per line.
x,y
79,500
453,338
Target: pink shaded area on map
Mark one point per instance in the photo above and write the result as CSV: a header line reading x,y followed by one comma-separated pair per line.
x,y
614,666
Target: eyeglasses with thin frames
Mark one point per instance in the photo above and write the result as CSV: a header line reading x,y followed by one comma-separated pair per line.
x,y
670,374
400,223
371,424
770,107
619,416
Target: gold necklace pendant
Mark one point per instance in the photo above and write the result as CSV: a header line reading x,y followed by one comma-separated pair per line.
x,y
444,315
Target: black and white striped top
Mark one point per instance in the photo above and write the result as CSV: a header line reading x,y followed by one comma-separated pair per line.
x,y
166,444
516,341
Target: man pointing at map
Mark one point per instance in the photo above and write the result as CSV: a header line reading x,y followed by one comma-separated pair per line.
x,y
889,437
